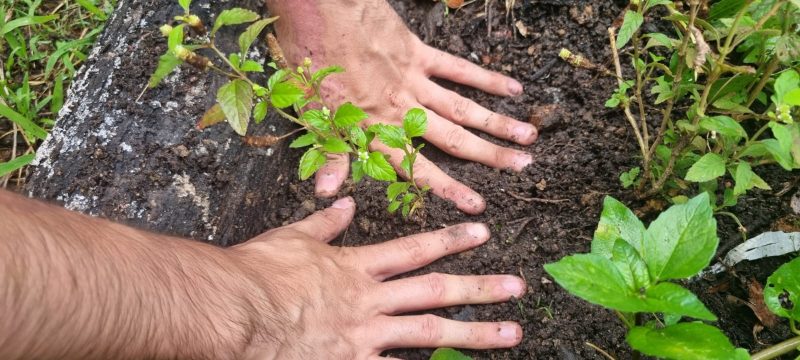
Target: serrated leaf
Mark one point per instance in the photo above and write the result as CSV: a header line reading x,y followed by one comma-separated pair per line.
x,y
709,167
321,74
175,37
212,116
358,137
357,170
681,241
628,178
336,146
285,94
348,115
260,111
378,168
317,119
724,125
14,165
250,34
310,162
236,100
448,354
392,136
616,222
233,16
415,123
303,141
630,24
685,341
782,293
277,77
251,66
395,189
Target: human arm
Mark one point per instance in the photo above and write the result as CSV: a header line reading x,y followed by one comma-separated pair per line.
x,y
78,287
387,71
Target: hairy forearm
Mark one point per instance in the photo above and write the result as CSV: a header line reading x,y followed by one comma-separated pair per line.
x,y
78,287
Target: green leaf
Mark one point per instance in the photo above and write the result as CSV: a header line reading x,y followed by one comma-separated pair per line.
x,y
260,111
321,74
348,115
616,222
233,16
448,354
685,341
652,3
782,293
285,94
395,189
787,82
392,136
670,298
746,179
358,137
276,77
336,146
579,274
357,169
779,152
251,66
28,127
783,134
628,178
13,165
630,24
659,39
415,123
166,64
724,125
394,205
175,37
25,21
250,34
630,265
681,241
317,119
378,168
236,100
311,161
304,140
185,5
725,9
709,167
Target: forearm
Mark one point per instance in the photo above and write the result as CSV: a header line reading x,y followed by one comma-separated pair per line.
x,y
77,287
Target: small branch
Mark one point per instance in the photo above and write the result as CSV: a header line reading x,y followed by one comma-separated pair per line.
x,y
627,109
777,350
601,351
536,200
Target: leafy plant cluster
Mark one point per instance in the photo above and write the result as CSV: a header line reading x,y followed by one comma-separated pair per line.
x,y
41,46
726,87
289,91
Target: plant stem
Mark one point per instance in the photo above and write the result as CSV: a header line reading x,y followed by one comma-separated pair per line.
x,y
777,350
627,109
793,326
742,229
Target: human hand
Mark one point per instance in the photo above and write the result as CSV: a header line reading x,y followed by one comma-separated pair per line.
x,y
321,301
387,73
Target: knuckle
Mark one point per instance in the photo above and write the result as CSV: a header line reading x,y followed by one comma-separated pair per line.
x,y
415,252
461,109
455,139
437,286
430,328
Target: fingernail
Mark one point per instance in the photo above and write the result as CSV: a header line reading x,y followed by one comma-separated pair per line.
x,y
472,204
514,87
478,231
508,331
522,160
343,203
524,133
513,286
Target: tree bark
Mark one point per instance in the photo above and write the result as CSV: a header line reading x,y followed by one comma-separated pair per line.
x,y
144,162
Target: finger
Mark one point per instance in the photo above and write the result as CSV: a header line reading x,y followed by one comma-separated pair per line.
x,y
457,141
325,225
442,185
436,290
332,175
466,112
430,331
443,65
413,252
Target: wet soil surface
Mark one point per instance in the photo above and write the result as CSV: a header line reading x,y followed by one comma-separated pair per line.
x,y
550,210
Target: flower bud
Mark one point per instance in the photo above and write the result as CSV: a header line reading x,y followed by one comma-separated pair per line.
x,y
182,52
195,23
165,29
307,62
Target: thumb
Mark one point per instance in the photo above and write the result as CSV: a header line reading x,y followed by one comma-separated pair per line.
x,y
325,225
332,175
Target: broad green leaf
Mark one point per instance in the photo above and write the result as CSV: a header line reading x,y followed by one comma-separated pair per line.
x,y
580,274
630,265
685,341
787,82
782,293
304,140
250,35
236,100
175,37
395,189
348,115
792,97
321,74
311,161
251,66
658,39
28,126
724,125
415,123
166,63
670,298
13,165
448,354
378,168
781,154
357,170
392,136
358,137
336,146
783,134
233,16
681,241
746,179
285,94
185,5
616,222
709,167
212,116
317,119
277,77
630,24
260,111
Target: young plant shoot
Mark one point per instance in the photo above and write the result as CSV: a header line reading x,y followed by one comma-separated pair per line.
x,y
288,91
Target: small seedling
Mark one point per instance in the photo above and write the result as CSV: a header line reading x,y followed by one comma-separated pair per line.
x,y
288,91
629,270
448,354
